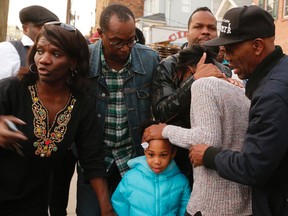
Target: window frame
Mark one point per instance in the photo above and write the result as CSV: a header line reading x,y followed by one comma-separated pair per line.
x,y
273,4
186,6
285,9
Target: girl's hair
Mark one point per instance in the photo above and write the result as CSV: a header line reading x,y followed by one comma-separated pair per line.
x,y
72,42
192,55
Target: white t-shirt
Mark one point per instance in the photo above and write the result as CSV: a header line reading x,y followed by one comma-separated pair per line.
x,y
9,57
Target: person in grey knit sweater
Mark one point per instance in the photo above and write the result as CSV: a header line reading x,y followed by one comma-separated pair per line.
x,y
219,116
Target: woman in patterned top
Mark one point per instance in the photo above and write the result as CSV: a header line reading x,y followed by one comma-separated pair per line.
x,y
51,110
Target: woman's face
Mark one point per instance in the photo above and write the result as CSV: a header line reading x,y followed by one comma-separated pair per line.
x,y
53,64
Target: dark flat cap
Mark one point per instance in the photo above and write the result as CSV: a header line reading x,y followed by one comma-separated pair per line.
x,y
36,14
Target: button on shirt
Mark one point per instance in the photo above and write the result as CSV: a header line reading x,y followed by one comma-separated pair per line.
x,y
117,138
9,57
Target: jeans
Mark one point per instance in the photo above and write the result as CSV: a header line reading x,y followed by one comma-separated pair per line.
x,y
87,203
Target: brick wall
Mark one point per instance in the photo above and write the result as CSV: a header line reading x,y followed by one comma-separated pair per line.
x,y
136,6
281,29
281,25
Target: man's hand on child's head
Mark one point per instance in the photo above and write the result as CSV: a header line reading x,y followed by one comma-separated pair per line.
x,y
153,132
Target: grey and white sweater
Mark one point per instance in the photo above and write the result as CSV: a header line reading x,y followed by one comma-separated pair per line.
x,y
219,117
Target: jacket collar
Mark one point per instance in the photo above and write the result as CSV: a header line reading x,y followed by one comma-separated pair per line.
x,y
262,70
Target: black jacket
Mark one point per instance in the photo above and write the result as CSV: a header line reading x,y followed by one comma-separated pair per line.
x,y
170,99
263,163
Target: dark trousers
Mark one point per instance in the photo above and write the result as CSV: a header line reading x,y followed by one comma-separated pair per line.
x,y
87,203
183,162
197,214
60,184
113,178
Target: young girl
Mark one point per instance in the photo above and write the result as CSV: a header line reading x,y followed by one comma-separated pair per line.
x,y
154,185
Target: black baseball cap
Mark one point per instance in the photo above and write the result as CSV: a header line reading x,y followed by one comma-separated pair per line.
x,y
37,15
242,24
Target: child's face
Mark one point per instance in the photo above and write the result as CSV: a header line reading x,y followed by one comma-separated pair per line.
x,y
159,154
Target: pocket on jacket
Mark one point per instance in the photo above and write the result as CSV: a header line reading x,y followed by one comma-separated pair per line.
x,y
144,96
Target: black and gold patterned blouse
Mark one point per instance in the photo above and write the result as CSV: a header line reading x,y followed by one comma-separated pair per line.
x,y
26,178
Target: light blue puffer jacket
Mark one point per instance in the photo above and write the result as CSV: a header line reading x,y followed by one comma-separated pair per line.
x,y
141,192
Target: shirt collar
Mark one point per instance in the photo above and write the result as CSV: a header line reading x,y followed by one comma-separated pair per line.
x,y
26,41
105,65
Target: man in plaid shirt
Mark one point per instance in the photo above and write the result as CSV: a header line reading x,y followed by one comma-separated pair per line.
x,y
121,72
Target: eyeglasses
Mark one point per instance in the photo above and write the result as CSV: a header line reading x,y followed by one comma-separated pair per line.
x,y
66,26
120,44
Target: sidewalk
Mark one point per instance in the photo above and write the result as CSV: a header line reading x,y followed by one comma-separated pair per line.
x,y
72,196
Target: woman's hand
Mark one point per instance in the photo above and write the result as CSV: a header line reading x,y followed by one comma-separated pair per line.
x,y
9,134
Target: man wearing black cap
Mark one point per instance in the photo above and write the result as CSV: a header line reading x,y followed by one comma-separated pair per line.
x,y
13,54
248,35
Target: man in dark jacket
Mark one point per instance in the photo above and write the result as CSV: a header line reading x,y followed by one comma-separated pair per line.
x,y
171,90
248,35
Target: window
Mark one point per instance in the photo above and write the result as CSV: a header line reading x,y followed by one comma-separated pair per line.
x,y
285,9
148,6
271,6
186,6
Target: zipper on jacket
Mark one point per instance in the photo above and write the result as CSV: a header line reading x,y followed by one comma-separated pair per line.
x,y
157,198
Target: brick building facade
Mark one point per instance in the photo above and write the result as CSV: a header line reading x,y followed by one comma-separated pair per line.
x,y
281,21
282,28
136,6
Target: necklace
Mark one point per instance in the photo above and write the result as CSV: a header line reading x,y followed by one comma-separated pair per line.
x,y
47,136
